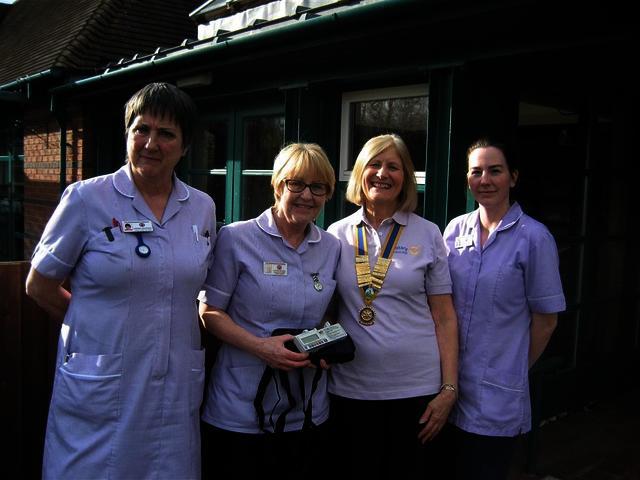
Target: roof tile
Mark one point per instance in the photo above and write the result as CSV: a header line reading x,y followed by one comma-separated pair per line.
x,y
85,35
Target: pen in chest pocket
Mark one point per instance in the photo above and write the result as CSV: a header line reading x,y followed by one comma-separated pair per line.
x,y
196,235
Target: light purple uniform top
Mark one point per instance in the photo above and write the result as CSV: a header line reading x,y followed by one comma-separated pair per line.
x,y
130,368
264,284
396,357
495,289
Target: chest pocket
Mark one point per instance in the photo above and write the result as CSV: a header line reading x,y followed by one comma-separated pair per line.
x,y
192,249
107,256
509,289
202,253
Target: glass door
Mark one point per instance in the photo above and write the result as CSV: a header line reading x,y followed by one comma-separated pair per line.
x,y
262,139
209,163
232,160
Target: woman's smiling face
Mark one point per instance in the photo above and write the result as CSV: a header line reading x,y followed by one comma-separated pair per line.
x,y
301,208
383,178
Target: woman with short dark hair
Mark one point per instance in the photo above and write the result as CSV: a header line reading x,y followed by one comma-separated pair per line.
x,y
135,246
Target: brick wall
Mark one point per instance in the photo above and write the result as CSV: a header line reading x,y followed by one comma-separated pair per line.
x,y
42,139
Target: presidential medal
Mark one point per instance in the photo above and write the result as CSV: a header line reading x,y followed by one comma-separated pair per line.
x,y
370,283
367,316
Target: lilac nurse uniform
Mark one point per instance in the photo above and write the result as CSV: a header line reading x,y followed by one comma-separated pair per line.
x,y
129,374
495,289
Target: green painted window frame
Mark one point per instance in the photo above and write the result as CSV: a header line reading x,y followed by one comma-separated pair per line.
x,y
234,171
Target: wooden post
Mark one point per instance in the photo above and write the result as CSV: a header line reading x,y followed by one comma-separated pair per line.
x,y
28,342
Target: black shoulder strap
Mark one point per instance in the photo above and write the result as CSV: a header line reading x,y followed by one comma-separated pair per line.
x,y
284,381
308,411
262,388
270,374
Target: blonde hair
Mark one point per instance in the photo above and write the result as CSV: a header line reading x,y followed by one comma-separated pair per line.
x,y
408,198
299,160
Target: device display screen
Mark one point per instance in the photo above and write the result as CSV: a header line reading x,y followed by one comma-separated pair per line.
x,y
310,338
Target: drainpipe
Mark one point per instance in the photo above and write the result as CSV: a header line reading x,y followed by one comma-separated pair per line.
x,y
58,113
63,152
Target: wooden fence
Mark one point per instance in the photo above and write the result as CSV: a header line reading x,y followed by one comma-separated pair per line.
x,y
28,340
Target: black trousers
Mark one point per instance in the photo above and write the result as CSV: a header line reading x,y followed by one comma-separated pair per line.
x,y
378,439
289,455
480,457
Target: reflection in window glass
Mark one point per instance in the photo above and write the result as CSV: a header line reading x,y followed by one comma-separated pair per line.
x,y
11,193
214,185
263,139
210,149
406,117
257,195
4,175
420,208
210,152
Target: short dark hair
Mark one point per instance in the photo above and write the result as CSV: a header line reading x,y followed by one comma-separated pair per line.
x,y
163,100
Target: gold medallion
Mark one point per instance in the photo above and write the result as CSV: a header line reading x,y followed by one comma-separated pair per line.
x,y
367,316
370,283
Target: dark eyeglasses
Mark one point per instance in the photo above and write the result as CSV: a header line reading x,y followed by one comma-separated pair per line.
x,y
317,189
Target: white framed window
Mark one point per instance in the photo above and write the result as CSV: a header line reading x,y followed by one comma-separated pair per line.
x,y
366,113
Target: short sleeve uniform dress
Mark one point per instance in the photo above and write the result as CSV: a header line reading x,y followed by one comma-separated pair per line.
x,y
495,289
264,284
129,374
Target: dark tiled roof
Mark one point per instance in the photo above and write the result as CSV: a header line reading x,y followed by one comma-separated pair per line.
x,y
85,35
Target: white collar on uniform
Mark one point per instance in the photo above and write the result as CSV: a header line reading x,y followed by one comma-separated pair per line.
x,y
267,223
123,183
509,220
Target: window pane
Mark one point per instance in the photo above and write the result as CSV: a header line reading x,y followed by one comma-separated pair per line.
x,y
420,208
11,192
214,185
211,152
257,195
4,174
263,139
406,117
211,148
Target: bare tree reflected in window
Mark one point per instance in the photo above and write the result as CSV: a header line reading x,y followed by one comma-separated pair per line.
x,y
406,117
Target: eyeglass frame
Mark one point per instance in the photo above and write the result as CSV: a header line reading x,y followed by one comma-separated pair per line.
x,y
287,181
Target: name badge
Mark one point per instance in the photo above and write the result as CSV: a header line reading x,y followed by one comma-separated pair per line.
x,y
274,268
136,226
464,241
